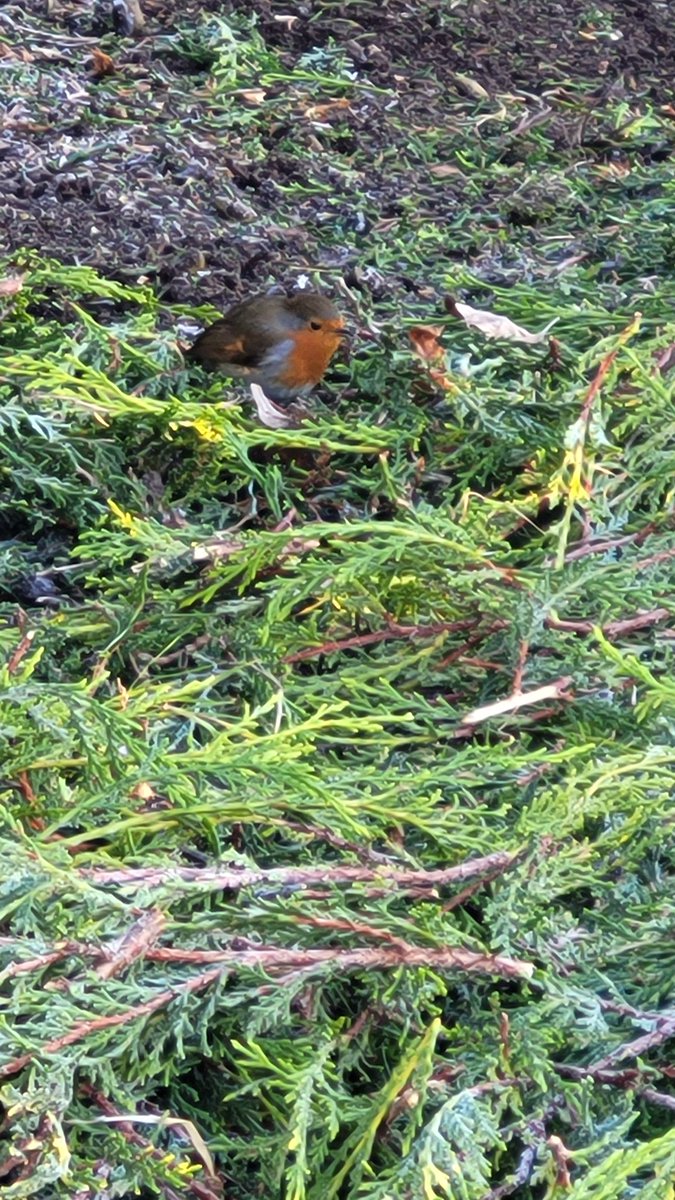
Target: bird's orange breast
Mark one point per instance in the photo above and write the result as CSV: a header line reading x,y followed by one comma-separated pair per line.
x,y
307,361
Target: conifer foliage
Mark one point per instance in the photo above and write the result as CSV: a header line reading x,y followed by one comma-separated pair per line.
x,y
336,854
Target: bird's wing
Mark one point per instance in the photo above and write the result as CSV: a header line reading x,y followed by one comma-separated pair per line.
x,y
220,344
228,342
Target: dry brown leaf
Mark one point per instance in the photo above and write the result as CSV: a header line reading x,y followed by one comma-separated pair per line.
x,y
253,95
426,345
102,63
142,791
665,359
425,342
10,285
612,170
321,112
115,356
299,545
494,325
215,549
443,170
15,52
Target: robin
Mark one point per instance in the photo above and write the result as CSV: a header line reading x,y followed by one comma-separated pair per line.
x,y
281,343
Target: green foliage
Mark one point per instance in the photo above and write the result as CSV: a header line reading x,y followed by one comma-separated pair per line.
x,y
237,773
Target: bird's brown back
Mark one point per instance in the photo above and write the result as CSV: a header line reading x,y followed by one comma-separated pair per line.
x,y
238,339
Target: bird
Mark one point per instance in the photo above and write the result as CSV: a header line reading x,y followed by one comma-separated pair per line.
x,y
281,343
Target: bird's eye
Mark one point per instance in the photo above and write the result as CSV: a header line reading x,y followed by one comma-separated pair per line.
x,y
315,324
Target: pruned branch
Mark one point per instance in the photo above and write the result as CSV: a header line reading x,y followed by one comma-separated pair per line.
x,y
235,879
282,962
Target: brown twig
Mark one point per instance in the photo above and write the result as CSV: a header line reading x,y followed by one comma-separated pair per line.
x,y
60,951
210,1188
628,1010
360,928
517,686
582,551
561,1156
26,789
540,769
84,1028
665,1030
288,962
380,635
133,944
612,628
628,1080
20,651
659,557
599,378
320,833
471,889
601,547
474,639
231,879
365,958
520,1177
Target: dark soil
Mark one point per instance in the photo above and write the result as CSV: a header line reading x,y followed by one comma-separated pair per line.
x,y
149,172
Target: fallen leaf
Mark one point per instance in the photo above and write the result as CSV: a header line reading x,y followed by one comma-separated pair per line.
x,y
426,345
472,86
253,95
443,170
115,356
494,325
142,791
425,342
270,414
102,64
665,359
15,52
10,285
321,112
215,549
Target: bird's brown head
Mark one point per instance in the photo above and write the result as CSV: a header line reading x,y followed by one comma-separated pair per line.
x,y
311,312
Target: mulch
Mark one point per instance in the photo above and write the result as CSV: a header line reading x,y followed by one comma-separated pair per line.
x,y
131,173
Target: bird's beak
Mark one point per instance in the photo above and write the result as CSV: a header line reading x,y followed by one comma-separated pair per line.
x,y
347,332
